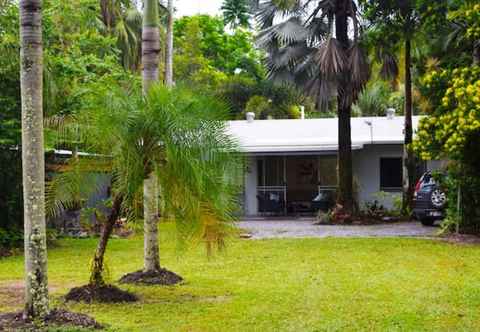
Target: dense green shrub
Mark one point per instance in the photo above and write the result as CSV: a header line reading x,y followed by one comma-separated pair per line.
x,y
11,200
239,91
10,238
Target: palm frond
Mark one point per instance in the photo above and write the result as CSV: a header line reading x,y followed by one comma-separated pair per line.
x,y
359,68
389,69
331,58
286,32
176,133
288,57
268,11
74,184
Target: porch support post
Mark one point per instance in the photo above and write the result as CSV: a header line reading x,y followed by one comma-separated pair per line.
x,y
285,183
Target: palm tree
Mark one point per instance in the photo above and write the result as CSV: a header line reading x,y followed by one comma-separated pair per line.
x,y
150,59
308,43
401,19
169,46
167,133
123,20
236,13
33,161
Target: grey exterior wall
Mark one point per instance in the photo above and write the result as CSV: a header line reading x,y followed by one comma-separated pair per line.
x,y
366,172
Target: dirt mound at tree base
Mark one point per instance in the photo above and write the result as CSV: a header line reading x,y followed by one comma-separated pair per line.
x,y
159,277
56,318
103,294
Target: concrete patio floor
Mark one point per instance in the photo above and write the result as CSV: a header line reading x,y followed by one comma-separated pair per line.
x,y
304,228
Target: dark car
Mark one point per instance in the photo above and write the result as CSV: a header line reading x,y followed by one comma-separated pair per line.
x,y
429,200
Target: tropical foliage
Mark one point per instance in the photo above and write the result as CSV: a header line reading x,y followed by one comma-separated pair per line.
x,y
239,91
455,97
236,13
76,55
394,27
302,47
123,21
171,135
203,47
452,129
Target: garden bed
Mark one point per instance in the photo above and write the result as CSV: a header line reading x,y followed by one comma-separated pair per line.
x,y
103,294
160,277
56,318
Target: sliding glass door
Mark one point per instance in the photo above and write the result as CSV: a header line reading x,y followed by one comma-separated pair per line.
x,y
271,190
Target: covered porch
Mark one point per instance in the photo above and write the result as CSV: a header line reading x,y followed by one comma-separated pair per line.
x,y
290,185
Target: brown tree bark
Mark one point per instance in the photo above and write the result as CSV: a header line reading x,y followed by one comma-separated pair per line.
x,y
408,156
107,14
345,169
98,264
33,159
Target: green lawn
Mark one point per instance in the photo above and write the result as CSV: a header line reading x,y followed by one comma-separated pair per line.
x,y
280,285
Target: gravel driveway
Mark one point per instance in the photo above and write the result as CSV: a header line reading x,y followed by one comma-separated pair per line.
x,y
266,229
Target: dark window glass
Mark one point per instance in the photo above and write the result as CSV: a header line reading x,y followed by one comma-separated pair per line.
x,y
270,171
260,172
391,174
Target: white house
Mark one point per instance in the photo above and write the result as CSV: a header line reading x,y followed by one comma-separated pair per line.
x,y
291,164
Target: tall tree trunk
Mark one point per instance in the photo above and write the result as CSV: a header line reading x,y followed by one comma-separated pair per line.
x,y
476,53
98,265
150,59
345,168
150,203
33,160
408,156
169,50
107,14
150,44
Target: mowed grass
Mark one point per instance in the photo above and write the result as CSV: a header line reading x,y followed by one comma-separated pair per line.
x,y
279,285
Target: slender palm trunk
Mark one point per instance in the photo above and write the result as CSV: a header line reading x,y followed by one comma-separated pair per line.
x,y
169,50
150,44
150,59
476,53
150,203
98,265
408,156
107,15
345,169
33,160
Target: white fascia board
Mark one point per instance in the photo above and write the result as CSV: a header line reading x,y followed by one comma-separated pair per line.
x,y
294,148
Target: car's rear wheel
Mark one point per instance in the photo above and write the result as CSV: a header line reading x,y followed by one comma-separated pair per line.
x,y
438,198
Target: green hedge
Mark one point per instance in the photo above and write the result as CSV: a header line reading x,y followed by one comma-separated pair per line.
x,y
11,198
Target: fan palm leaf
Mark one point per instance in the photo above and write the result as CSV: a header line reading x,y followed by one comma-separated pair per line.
x,y
331,58
298,37
359,67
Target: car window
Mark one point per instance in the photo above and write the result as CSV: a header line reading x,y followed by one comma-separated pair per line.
x,y
428,180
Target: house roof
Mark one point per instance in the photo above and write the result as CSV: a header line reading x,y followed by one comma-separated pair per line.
x,y
315,135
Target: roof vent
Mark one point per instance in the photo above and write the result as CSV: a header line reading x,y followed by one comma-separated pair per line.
x,y
390,113
302,112
250,117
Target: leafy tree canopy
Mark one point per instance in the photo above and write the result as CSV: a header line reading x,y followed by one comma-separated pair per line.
x,y
76,54
454,97
201,41
452,131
